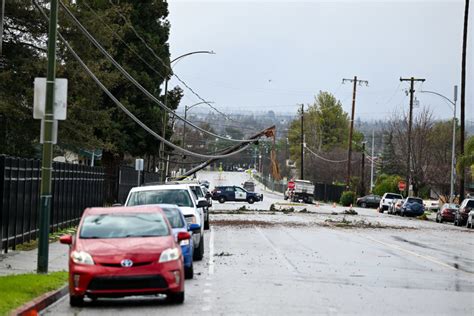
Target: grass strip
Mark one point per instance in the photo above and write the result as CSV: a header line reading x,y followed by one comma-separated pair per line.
x,y
19,289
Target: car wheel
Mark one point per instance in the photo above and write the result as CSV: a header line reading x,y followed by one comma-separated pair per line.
x,y
363,204
221,199
455,222
199,252
250,200
175,298
76,301
189,272
206,222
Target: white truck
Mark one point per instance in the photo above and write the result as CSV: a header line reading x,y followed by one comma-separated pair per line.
x,y
300,190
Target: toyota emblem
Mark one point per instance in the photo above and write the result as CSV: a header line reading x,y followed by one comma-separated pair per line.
x,y
127,263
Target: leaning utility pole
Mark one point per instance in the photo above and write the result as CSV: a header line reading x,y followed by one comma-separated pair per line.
x,y
302,143
47,160
463,95
410,117
349,151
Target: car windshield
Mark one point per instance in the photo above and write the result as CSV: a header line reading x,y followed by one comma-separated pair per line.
x,y
470,204
174,217
178,197
124,226
455,206
393,196
415,200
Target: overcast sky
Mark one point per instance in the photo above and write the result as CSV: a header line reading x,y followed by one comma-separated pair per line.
x,y
274,55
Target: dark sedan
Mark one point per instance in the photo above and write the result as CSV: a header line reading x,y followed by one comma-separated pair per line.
x,y
446,213
369,201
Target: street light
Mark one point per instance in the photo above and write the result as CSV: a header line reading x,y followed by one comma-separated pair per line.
x,y
453,153
186,109
162,145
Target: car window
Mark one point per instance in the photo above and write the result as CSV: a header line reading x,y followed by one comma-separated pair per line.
x,y
179,197
414,200
124,226
174,217
239,189
470,204
197,192
229,189
393,196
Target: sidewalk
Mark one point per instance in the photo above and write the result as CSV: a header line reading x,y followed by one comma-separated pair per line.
x,y
18,262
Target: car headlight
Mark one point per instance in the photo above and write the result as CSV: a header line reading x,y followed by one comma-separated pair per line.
x,y
82,257
169,254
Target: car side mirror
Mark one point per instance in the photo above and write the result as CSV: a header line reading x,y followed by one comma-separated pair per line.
x,y
202,204
183,236
65,239
194,227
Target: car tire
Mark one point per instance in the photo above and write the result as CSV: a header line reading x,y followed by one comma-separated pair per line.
x,y
251,200
175,298
189,272
199,252
76,301
363,205
222,199
206,222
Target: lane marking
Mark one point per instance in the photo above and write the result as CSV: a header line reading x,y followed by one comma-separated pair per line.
x,y
211,251
426,257
288,263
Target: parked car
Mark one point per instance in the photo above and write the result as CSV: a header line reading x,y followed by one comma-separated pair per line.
x,y
368,201
249,186
460,217
180,195
387,199
470,219
446,213
396,206
431,205
235,193
178,224
205,183
412,206
124,251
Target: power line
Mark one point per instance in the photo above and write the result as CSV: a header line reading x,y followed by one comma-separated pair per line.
x,y
131,115
133,80
325,159
129,24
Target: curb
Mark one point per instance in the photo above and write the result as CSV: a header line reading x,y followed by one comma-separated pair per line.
x,y
38,304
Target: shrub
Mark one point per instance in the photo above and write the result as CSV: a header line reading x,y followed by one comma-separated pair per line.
x,y
347,198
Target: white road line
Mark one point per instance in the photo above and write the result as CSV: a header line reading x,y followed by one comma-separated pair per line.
x,y
211,251
428,258
289,265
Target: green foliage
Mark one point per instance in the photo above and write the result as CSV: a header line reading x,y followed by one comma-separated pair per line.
x,y
386,183
326,126
467,160
21,288
347,198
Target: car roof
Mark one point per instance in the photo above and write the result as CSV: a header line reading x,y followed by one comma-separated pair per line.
x,y
160,187
123,209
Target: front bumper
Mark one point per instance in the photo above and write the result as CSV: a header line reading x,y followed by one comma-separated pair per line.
x,y
112,281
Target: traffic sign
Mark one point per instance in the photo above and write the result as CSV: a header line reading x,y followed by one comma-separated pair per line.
x,y
291,185
402,185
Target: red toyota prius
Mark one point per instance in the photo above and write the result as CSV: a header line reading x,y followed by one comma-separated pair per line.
x,y
123,251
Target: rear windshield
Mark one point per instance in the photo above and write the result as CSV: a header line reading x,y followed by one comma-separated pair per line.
x,y
174,217
415,200
178,197
393,196
470,204
124,226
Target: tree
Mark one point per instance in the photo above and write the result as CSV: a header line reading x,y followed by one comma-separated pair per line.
x,y
467,160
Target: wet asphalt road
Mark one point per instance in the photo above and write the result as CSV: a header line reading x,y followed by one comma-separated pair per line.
x,y
308,263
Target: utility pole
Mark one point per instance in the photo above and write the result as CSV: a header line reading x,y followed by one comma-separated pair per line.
x,y
47,158
162,144
351,130
410,118
184,125
463,95
302,142
372,163
362,177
